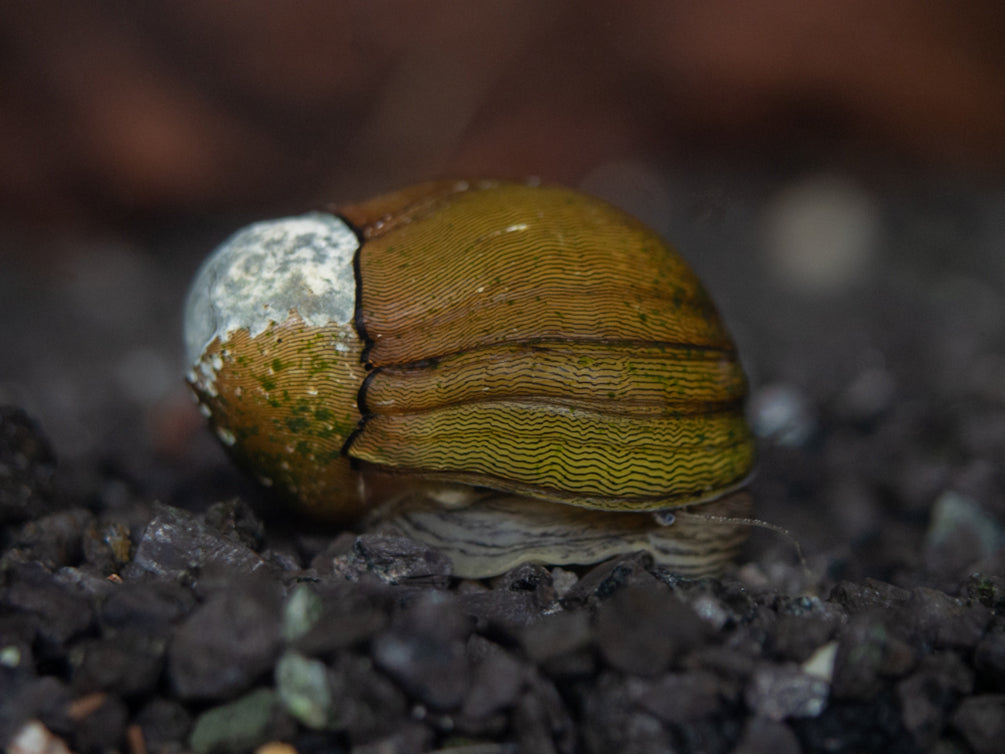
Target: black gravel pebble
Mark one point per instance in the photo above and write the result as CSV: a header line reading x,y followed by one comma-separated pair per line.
x,y
407,738
61,612
425,652
226,643
872,651
27,466
561,643
497,680
780,692
99,722
397,560
680,698
929,694
366,703
662,628
989,658
153,607
981,721
54,540
346,614
177,544
185,647
127,662
164,723
761,735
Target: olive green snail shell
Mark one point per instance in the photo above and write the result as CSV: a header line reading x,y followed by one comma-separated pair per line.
x,y
506,371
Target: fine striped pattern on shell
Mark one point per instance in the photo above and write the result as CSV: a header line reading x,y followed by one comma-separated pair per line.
x,y
523,339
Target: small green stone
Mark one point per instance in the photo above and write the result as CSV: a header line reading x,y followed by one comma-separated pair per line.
x,y
302,611
238,726
303,689
10,656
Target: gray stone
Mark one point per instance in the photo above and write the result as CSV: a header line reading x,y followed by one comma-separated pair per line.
x,y
562,644
55,540
434,669
126,662
63,611
989,658
163,722
177,542
943,621
857,597
778,692
400,560
981,720
761,735
496,681
870,654
102,727
227,643
350,613
677,698
503,611
927,696
151,605
641,629
365,704
27,466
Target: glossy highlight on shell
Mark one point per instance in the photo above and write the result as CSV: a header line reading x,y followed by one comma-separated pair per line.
x,y
504,370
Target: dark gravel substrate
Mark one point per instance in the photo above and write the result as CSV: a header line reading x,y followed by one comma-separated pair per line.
x,y
150,602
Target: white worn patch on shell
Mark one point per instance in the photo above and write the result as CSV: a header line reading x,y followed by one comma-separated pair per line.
x,y
203,374
267,270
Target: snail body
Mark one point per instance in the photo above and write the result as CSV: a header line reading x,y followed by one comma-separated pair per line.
x,y
496,368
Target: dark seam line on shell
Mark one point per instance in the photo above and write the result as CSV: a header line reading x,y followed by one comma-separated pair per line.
x,y
357,321
597,408
357,315
594,409
543,343
361,401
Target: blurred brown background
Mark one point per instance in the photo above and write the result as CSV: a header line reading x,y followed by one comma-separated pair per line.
x,y
123,113
808,158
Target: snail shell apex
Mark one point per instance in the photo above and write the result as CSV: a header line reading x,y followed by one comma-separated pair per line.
x,y
267,270
529,340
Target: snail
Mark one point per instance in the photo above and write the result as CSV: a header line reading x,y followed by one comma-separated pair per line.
x,y
506,371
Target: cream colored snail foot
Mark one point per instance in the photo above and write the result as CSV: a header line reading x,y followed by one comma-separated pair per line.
x,y
502,531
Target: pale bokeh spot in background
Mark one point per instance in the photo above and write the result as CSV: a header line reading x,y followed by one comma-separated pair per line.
x,y
820,234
